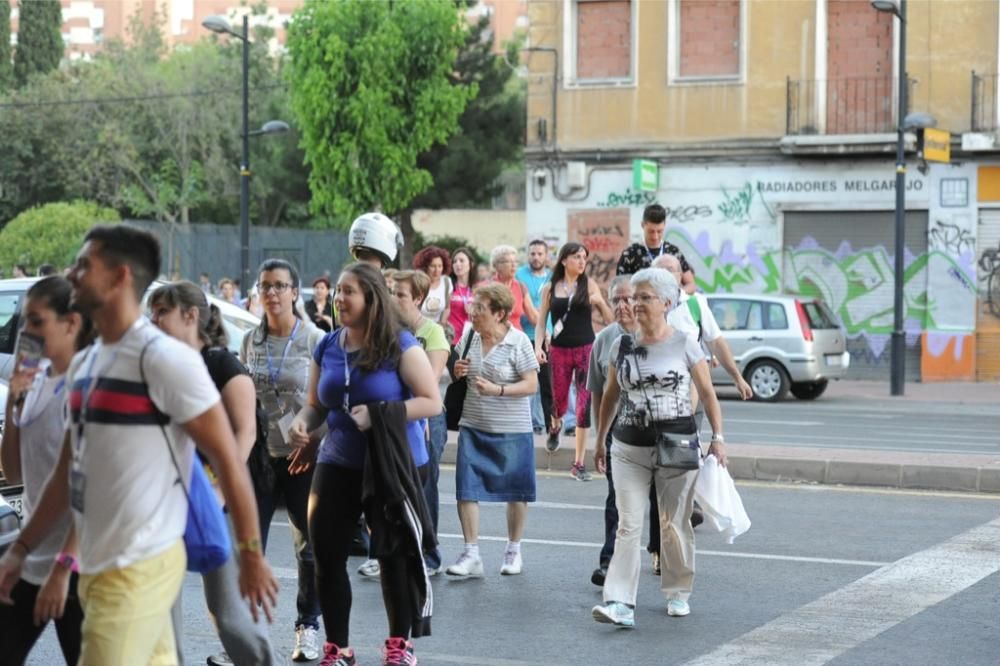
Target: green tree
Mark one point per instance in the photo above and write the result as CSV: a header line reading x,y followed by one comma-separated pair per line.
x,y
39,38
6,62
50,234
371,91
467,169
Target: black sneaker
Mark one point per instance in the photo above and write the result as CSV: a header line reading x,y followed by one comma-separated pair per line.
x,y
655,557
697,517
220,659
552,443
597,578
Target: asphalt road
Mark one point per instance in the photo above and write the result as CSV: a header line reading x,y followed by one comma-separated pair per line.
x,y
864,424
825,575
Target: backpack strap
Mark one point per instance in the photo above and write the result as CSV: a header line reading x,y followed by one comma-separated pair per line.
x,y
695,308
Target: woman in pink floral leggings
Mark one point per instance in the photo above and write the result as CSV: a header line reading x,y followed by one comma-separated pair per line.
x,y
570,298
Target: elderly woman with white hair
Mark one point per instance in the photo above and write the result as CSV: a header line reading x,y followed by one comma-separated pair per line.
x,y
648,386
503,259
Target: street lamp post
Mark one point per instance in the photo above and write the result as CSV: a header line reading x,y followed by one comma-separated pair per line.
x,y
220,25
898,360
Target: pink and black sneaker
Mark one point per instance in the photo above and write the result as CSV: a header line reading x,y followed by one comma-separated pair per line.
x,y
398,652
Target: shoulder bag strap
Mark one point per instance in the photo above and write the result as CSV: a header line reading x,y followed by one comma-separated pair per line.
x,y
163,429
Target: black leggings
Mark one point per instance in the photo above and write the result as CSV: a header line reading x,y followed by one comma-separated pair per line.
x,y
18,632
334,509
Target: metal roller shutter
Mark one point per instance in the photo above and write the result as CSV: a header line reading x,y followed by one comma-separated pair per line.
x,y
988,310
846,258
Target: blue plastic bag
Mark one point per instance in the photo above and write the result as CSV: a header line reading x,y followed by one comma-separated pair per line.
x,y
206,536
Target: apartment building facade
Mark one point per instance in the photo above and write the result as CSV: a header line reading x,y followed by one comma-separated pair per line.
x,y
768,130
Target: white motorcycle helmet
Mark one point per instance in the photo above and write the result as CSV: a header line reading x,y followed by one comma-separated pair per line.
x,y
376,233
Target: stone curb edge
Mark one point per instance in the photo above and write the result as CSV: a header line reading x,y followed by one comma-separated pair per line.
x,y
816,470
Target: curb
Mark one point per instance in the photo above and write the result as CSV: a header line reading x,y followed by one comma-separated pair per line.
x,y
848,467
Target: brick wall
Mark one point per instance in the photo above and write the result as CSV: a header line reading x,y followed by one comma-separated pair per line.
x,y
860,84
603,39
709,37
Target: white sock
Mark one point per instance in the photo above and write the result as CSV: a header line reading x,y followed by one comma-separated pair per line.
x,y
472,550
514,547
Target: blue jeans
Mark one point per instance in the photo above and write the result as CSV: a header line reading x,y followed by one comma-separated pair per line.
x,y
610,512
569,418
438,427
295,491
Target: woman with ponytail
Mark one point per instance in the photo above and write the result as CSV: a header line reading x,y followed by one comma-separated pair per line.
x,y
181,310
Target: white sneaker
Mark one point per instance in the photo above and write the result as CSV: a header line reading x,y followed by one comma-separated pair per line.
x,y
370,569
466,566
616,613
306,644
511,564
678,608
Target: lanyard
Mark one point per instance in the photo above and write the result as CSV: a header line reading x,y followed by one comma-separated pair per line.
x,y
284,354
663,248
34,396
347,374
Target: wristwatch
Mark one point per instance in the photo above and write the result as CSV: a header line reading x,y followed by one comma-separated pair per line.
x,y
718,438
67,561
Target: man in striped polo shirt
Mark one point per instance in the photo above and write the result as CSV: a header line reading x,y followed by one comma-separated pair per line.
x,y
117,469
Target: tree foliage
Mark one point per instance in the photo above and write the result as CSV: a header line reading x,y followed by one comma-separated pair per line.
x,y
467,169
6,61
50,234
39,39
370,90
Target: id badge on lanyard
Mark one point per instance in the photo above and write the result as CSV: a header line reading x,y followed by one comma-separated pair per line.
x,y
273,373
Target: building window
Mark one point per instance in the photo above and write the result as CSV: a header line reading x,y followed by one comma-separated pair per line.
x,y
602,41
707,39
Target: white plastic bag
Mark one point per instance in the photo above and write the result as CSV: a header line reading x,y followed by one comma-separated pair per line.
x,y
716,494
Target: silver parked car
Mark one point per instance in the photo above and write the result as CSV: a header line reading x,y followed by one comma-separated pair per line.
x,y
781,343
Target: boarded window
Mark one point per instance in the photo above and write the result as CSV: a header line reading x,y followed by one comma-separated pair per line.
x,y
603,39
860,88
709,38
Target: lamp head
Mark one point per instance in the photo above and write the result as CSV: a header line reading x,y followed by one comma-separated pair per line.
x,y
218,24
919,120
891,6
274,127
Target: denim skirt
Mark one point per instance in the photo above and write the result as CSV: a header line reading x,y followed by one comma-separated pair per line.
x,y
493,467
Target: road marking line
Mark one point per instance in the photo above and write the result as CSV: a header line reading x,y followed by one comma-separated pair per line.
x,y
822,487
776,422
914,439
796,441
820,631
710,553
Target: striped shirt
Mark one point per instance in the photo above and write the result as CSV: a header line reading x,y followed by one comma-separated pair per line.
x,y
508,361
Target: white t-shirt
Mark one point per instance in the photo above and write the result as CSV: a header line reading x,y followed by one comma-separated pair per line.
x,y
41,427
682,319
132,506
658,373
437,299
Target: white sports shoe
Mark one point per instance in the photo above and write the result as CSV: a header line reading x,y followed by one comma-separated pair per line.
x,y
511,564
466,567
678,608
306,644
370,569
616,613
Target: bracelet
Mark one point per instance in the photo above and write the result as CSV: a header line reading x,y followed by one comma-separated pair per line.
x,y
501,389
68,561
718,438
249,546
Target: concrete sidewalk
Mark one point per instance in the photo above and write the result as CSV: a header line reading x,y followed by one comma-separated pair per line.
x,y
857,467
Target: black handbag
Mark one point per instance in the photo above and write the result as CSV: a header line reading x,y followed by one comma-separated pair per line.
x,y
673,450
454,397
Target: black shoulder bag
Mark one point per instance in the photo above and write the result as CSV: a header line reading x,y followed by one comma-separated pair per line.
x,y
454,397
673,450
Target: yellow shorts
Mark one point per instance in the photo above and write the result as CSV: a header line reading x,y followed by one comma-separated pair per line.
x,y
126,612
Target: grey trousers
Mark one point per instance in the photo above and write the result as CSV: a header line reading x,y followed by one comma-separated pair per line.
x,y
247,643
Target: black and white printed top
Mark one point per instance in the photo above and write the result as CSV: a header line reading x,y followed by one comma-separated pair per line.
x,y
659,373
637,256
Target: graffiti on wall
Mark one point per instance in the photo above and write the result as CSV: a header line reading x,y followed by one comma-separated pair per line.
x,y
989,266
605,235
736,207
951,238
857,284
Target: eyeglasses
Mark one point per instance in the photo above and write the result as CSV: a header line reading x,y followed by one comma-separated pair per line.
x,y
646,299
476,306
277,287
621,300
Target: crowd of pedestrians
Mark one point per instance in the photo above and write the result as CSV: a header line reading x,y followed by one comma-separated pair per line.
x,y
335,410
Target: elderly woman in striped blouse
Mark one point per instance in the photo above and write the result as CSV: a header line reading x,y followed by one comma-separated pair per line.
x,y
496,452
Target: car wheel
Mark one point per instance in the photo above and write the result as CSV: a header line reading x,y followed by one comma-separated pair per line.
x,y
768,380
809,390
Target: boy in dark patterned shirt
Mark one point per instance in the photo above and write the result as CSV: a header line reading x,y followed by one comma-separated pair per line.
x,y
641,255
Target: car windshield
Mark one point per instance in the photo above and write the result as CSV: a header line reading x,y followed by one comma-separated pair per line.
x,y
820,316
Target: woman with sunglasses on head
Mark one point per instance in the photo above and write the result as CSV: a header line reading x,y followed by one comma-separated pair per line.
x,y
648,395
372,358
278,355
32,443
181,311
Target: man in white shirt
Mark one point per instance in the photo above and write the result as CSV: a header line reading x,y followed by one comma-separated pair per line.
x,y
128,425
707,329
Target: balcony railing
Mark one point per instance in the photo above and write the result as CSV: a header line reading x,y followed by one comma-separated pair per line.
x,y
842,106
984,102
